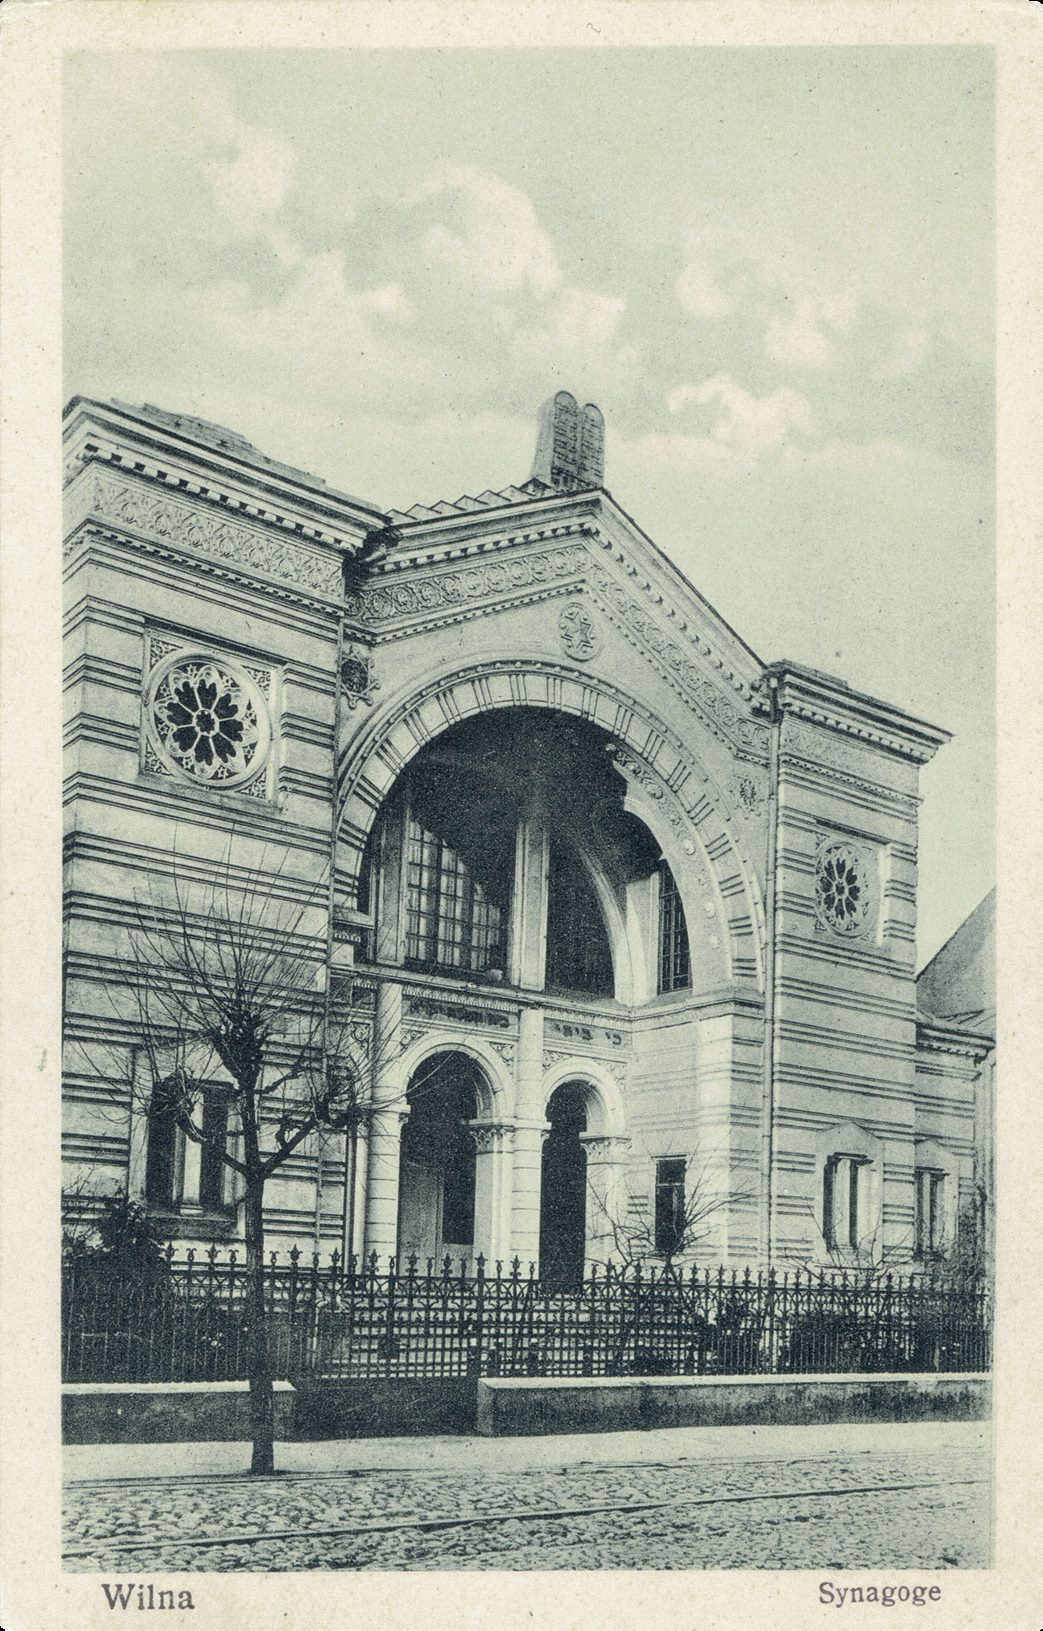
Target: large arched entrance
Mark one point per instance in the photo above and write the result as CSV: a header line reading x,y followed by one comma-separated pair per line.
x,y
563,1188
437,1161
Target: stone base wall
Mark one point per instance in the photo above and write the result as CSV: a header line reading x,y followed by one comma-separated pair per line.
x,y
617,1404
166,1412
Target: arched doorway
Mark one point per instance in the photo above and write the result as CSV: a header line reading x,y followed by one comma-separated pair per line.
x,y
437,1161
563,1188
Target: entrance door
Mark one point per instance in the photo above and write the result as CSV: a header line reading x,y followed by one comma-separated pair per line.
x,y
437,1166
563,1189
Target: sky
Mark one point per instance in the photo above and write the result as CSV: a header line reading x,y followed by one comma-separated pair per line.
x,y
771,268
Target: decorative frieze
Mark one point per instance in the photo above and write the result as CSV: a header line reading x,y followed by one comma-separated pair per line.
x,y
724,717
464,1013
381,601
193,526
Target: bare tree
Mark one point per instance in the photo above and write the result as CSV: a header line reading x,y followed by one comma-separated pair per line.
x,y
672,1226
225,981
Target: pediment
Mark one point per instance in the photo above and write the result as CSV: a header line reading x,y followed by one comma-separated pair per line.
x,y
451,568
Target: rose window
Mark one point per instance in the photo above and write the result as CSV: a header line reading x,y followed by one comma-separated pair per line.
x,y
842,889
209,720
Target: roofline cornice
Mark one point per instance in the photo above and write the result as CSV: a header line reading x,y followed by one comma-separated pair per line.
x,y
821,699
124,424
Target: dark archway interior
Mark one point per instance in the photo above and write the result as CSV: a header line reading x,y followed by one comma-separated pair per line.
x,y
472,787
438,1154
563,1188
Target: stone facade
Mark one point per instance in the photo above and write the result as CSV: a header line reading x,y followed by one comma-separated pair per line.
x,y
626,918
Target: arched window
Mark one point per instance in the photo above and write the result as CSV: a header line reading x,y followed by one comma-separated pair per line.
x,y
450,921
675,963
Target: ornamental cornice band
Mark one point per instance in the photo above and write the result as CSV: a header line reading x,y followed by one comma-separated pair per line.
x,y
190,526
729,723
859,732
465,584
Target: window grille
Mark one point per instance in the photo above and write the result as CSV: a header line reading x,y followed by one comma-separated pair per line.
x,y
450,921
669,1205
675,965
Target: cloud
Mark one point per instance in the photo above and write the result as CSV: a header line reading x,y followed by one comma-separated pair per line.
x,y
390,302
252,186
500,244
798,341
749,426
906,354
699,292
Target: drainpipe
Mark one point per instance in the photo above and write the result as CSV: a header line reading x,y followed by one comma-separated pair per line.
x,y
331,896
770,963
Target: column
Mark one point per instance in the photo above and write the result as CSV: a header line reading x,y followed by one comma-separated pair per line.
x,y
606,1194
528,952
385,1131
530,1129
492,1191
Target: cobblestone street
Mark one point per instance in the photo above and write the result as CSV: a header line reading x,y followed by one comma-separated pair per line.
x,y
879,1507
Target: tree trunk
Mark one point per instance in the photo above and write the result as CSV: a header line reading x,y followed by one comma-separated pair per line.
x,y
262,1399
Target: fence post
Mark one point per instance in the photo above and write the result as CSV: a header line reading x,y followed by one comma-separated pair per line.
x,y
474,1357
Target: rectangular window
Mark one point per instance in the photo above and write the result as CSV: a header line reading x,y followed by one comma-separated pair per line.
x,y
669,1205
161,1157
928,1212
211,1162
842,1183
675,967
450,922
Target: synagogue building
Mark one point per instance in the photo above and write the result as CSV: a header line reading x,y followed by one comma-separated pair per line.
x,y
624,917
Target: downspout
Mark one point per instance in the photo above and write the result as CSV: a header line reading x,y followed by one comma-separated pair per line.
x,y
331,897
770,965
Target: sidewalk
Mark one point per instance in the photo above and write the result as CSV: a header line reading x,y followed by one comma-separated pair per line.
x,y
669,1446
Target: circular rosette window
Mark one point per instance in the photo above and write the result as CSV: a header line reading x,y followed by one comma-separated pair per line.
x,y
209,720
843,889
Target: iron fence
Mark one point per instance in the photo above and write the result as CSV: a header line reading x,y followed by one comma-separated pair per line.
x,y
188,1321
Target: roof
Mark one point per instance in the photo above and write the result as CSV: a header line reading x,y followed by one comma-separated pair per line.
x,y
960,978
230,445
466,505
